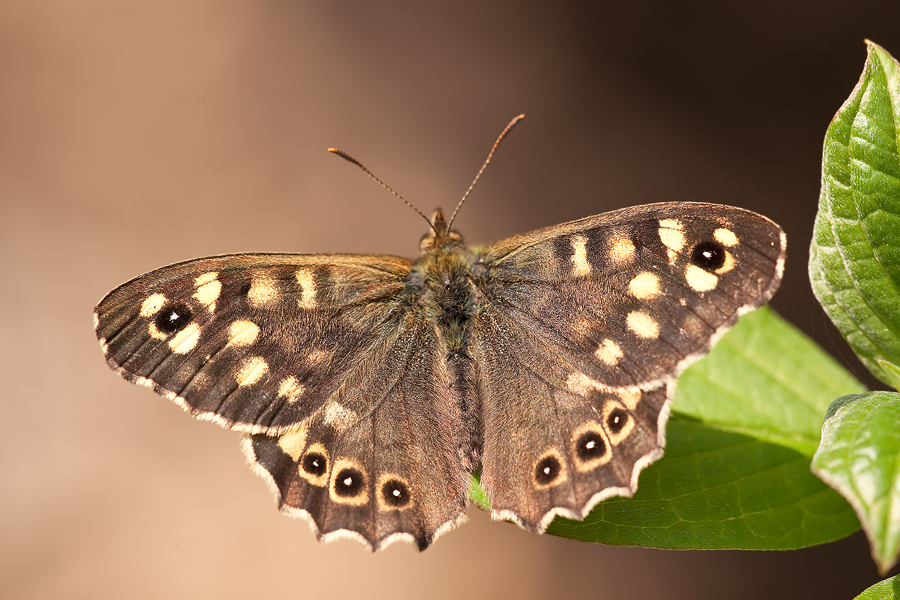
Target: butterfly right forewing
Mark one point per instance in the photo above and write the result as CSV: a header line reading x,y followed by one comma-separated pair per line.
x,y
629,297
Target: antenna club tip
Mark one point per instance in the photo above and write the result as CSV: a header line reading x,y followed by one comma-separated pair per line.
x,y
348,158
515,121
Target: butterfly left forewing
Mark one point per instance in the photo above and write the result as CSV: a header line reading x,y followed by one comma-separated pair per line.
x,y
256,342
595,319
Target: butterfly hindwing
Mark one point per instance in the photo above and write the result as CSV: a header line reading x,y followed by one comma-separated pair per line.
x,y
554,444
596,318
256,342
379,459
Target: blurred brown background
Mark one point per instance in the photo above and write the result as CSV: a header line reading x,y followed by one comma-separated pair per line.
x,y
133,135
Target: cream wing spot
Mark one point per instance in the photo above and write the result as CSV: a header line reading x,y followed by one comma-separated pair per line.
x,y
338,416
642,325
307,288
579,383
152,305
779,265
206,278
580,265
644,286
621,250
290,389
726,237
262,292
185,340
317,357
208,289
293,442
609,352
630,398
700,280
671,234
242,333
251,371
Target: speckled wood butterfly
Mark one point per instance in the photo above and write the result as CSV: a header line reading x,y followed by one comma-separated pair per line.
x,y
368,388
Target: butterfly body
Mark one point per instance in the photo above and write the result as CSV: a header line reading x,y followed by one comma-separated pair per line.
x,y
442,282
370,387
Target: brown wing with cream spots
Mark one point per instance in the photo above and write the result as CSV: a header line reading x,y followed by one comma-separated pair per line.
x,y
378,460
631,297
554,444
256,342
595,319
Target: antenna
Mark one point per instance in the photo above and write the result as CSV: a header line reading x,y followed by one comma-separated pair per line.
x,y
490,155
349,158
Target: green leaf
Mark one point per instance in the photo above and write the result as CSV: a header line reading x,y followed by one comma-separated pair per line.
x,y
889,589
477,493
892,372
746,422
859,456
854,262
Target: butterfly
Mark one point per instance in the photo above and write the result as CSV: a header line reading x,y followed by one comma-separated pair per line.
x,y
368,388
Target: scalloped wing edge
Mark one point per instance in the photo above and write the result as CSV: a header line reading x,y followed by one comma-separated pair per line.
x,y
640,465
299,513
200,415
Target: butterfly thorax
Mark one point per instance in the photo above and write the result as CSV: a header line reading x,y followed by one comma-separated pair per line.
x,y
441,282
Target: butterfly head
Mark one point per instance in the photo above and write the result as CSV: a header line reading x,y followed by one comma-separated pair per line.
x,y
440,235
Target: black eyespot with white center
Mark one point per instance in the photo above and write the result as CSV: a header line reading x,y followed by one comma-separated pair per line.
x,y
708,255
314,463
617,420
349,483
395,493
173,318
590,446
547,470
